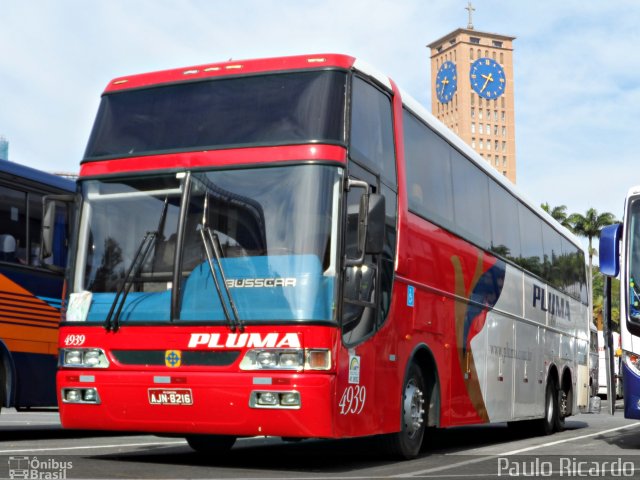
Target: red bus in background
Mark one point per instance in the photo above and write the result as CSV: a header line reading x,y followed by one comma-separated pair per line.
x,y
294,247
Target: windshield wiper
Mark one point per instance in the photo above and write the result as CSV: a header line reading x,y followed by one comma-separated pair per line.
x,y
134,270
139,258
211,242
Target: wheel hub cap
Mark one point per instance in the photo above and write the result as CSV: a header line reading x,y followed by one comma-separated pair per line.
x,y
413,409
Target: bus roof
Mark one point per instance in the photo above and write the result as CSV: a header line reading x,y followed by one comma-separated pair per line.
x,y
37,176
633,191
231,67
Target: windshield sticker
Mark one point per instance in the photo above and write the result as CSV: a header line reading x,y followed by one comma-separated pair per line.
x,y
354,369
78,307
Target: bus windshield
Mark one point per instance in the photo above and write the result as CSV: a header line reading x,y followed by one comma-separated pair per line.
x,y
286,108
276,229
633,217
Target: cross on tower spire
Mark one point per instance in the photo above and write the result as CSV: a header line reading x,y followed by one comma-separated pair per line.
x,y
470,9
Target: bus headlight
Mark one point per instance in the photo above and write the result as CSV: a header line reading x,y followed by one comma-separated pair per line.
x,y
633,362
83,358
286,359
273,359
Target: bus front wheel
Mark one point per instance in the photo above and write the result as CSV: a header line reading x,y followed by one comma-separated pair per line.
x,y
407,442
211,444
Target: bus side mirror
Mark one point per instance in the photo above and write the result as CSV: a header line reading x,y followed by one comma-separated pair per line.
x,y
52,228
375,225
371,223
610,250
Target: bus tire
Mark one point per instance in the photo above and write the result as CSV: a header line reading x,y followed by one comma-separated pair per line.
x,y
211,444
549,423
3,385
564,402
406,443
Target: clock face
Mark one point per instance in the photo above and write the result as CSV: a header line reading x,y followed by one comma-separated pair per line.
x,y
487,78
446,82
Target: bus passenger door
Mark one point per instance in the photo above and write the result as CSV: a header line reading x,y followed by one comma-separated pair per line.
x,y
358,367
368,369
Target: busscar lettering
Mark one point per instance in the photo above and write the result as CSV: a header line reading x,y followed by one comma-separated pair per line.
x,y
552,303
261,282
241,340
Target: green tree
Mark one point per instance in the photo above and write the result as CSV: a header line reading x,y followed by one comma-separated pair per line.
x,y
559,213
589,226
598,300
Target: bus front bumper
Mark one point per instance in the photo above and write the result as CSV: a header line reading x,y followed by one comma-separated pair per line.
x,y
631,388
239,404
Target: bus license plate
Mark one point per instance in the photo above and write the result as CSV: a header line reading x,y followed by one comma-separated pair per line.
x,y
163,396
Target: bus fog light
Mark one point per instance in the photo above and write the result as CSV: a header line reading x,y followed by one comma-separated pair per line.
x,y
290,399
267,398
72,395
90,395
80,395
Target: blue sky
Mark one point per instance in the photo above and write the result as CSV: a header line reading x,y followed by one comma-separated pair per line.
x,y
577,64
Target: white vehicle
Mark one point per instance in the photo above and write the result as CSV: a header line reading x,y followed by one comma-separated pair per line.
x,y
620,255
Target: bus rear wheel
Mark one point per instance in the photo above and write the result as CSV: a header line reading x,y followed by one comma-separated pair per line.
x,y
211,444
407,442
549,423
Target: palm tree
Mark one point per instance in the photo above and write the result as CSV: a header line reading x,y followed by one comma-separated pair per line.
x,y
559,213
589,226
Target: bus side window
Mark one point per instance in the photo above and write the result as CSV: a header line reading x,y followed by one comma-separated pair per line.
x,y
12,224
372,130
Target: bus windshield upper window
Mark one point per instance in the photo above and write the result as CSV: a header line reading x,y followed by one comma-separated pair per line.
x,y
634,259
289,108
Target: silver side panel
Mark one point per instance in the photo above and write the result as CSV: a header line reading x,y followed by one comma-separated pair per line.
x,y
531,328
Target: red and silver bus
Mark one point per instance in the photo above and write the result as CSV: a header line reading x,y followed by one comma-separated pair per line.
x,y
294,247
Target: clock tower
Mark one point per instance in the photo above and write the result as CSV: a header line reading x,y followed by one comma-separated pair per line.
x,y
472,92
